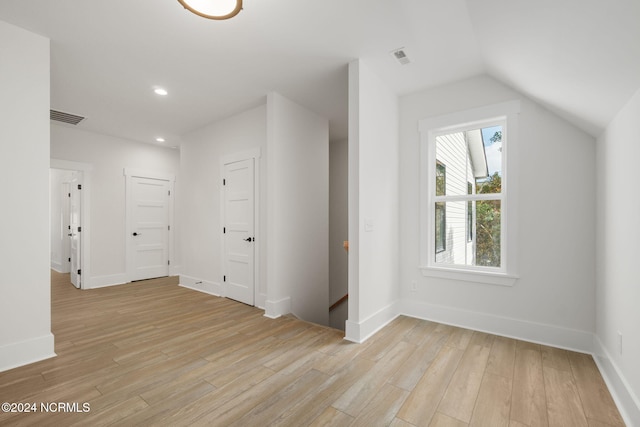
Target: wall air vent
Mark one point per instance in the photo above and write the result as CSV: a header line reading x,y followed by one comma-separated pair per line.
x,y
63,117
401,56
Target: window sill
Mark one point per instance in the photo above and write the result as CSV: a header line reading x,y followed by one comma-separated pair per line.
x,y
486,277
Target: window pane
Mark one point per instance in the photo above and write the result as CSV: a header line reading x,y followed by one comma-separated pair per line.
x,y
441,227
451,155
488,215
470,213
491,182
454,235
441,179
468,233
471,156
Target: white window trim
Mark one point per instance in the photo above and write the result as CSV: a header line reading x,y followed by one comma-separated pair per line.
x,y
429,128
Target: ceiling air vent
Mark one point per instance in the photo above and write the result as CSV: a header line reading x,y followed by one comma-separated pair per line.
x,y
401,56
69,118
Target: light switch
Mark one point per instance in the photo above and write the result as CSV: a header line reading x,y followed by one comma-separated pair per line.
x,y
368,224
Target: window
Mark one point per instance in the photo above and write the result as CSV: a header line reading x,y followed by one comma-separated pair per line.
x,y
464,195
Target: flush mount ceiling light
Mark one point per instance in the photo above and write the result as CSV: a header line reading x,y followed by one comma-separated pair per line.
x,y
213,9
161,91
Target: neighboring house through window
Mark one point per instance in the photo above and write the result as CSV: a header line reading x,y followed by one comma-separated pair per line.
x,y
464,180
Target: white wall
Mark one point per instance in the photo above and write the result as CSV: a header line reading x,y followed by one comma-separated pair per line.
x,y
554,299
109,156
59,210
618,237
25,298
338,230
373,203
199,190
298,206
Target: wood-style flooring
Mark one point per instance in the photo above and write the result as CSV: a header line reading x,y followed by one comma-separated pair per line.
x,y
153,353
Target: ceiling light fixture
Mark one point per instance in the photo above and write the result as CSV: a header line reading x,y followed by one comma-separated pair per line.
x,y
160,139
213,9
160,91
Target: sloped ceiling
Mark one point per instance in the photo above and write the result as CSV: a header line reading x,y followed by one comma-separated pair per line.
x,y
580,59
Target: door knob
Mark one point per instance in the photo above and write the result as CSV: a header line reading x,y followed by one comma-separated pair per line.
x,y
135,234
248,239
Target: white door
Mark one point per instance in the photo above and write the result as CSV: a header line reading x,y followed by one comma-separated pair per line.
x,y
149,233
238,231
75,228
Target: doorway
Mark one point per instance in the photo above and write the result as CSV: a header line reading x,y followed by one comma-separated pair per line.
x,y
69,201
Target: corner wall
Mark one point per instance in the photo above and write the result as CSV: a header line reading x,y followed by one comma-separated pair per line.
x,y
553,301
373,203
198,196
338,230
618,286
25,293
298,211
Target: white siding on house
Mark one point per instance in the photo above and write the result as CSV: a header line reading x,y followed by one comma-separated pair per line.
x,y
451,151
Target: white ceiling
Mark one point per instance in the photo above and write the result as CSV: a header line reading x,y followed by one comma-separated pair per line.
x,y
579,58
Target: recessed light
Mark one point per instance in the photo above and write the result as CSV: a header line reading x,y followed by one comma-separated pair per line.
x,y
160,139
161,91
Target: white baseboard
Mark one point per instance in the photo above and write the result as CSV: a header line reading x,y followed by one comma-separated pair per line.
x,y
104,281
56,266
275,309
200,285
174,270
626,400
26,352
569,339
261,301
361,331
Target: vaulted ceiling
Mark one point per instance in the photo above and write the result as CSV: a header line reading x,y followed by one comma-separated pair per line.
x,y
579,58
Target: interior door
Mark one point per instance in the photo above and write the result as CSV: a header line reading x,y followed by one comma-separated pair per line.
x,y
238,231
75,228
149,234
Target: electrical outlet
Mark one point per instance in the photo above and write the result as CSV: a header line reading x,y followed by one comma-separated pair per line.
x,y
414,286
620,342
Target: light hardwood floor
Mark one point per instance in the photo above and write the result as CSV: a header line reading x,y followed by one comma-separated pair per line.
x,y
153,353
